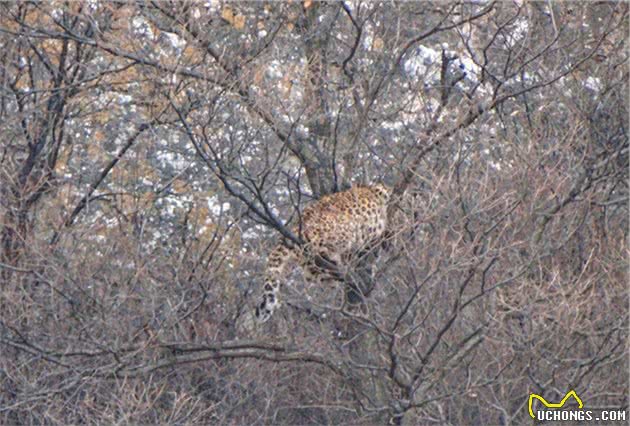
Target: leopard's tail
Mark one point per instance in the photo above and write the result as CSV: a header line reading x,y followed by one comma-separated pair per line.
x,y
277,267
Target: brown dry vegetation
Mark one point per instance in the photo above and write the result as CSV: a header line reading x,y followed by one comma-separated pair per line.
x,y
152,153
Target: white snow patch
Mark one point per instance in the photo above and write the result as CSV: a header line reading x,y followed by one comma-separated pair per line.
x,y
274,70
171,158
593,83
141,26
216,207
176,41
422,58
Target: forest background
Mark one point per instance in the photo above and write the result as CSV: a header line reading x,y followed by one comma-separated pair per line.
x,y
152,152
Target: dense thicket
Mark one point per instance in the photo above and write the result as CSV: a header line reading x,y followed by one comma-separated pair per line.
x,y
152,152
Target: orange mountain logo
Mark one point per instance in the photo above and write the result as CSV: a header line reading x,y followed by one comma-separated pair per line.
x,y
560,404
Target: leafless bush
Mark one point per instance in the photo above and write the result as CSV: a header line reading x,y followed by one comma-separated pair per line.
x,y
154,151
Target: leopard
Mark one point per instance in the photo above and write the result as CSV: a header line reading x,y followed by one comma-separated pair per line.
x,y
334,228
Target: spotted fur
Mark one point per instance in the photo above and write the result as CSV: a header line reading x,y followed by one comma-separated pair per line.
x,y
334,228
